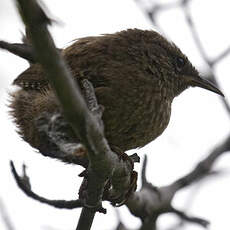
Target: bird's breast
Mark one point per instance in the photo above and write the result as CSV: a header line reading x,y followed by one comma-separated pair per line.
x,y
136,120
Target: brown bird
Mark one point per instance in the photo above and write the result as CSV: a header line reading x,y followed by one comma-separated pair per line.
x,y
136,75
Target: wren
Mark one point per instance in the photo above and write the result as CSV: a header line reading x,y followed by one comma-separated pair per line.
x,y
136,75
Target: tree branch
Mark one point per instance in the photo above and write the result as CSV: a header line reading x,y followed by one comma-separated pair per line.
x,y
221,56
203,168
103,163
22,50
151,201
86,219
203,53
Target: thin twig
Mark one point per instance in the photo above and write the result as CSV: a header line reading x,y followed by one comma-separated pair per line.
x,y
22,50
204,223
203,53
152,200
204,167
195,33
25,187
221,56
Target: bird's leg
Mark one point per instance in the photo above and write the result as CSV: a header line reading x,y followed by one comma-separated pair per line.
x,y
132,188
97,111
119,201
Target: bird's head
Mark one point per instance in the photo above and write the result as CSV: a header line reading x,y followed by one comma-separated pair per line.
x,y
185,74
172,68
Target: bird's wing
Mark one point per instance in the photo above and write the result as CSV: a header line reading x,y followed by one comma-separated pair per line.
x,y
32,78
77,56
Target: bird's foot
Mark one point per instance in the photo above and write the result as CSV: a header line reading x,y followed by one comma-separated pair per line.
x,y
132,188
122,155
119,201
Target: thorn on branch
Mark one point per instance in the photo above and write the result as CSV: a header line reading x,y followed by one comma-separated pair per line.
x,y
24,185
25,38
25,178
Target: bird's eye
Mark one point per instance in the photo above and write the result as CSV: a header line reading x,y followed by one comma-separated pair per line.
x,y
180,63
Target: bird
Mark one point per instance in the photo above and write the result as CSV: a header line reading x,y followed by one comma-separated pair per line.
x,y
135,74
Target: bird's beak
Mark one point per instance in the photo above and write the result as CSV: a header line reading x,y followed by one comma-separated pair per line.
x,y
205,84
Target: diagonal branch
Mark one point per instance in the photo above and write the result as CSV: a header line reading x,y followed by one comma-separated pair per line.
x,y
203,53
103,163
195,33
204,167
202,222
221,56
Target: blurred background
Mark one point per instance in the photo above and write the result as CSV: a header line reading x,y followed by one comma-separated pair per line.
x,y
199,120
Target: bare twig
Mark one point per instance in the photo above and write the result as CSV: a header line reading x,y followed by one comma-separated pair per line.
x,y
22,50
203,53
204,167
204,223
221,56
26,188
